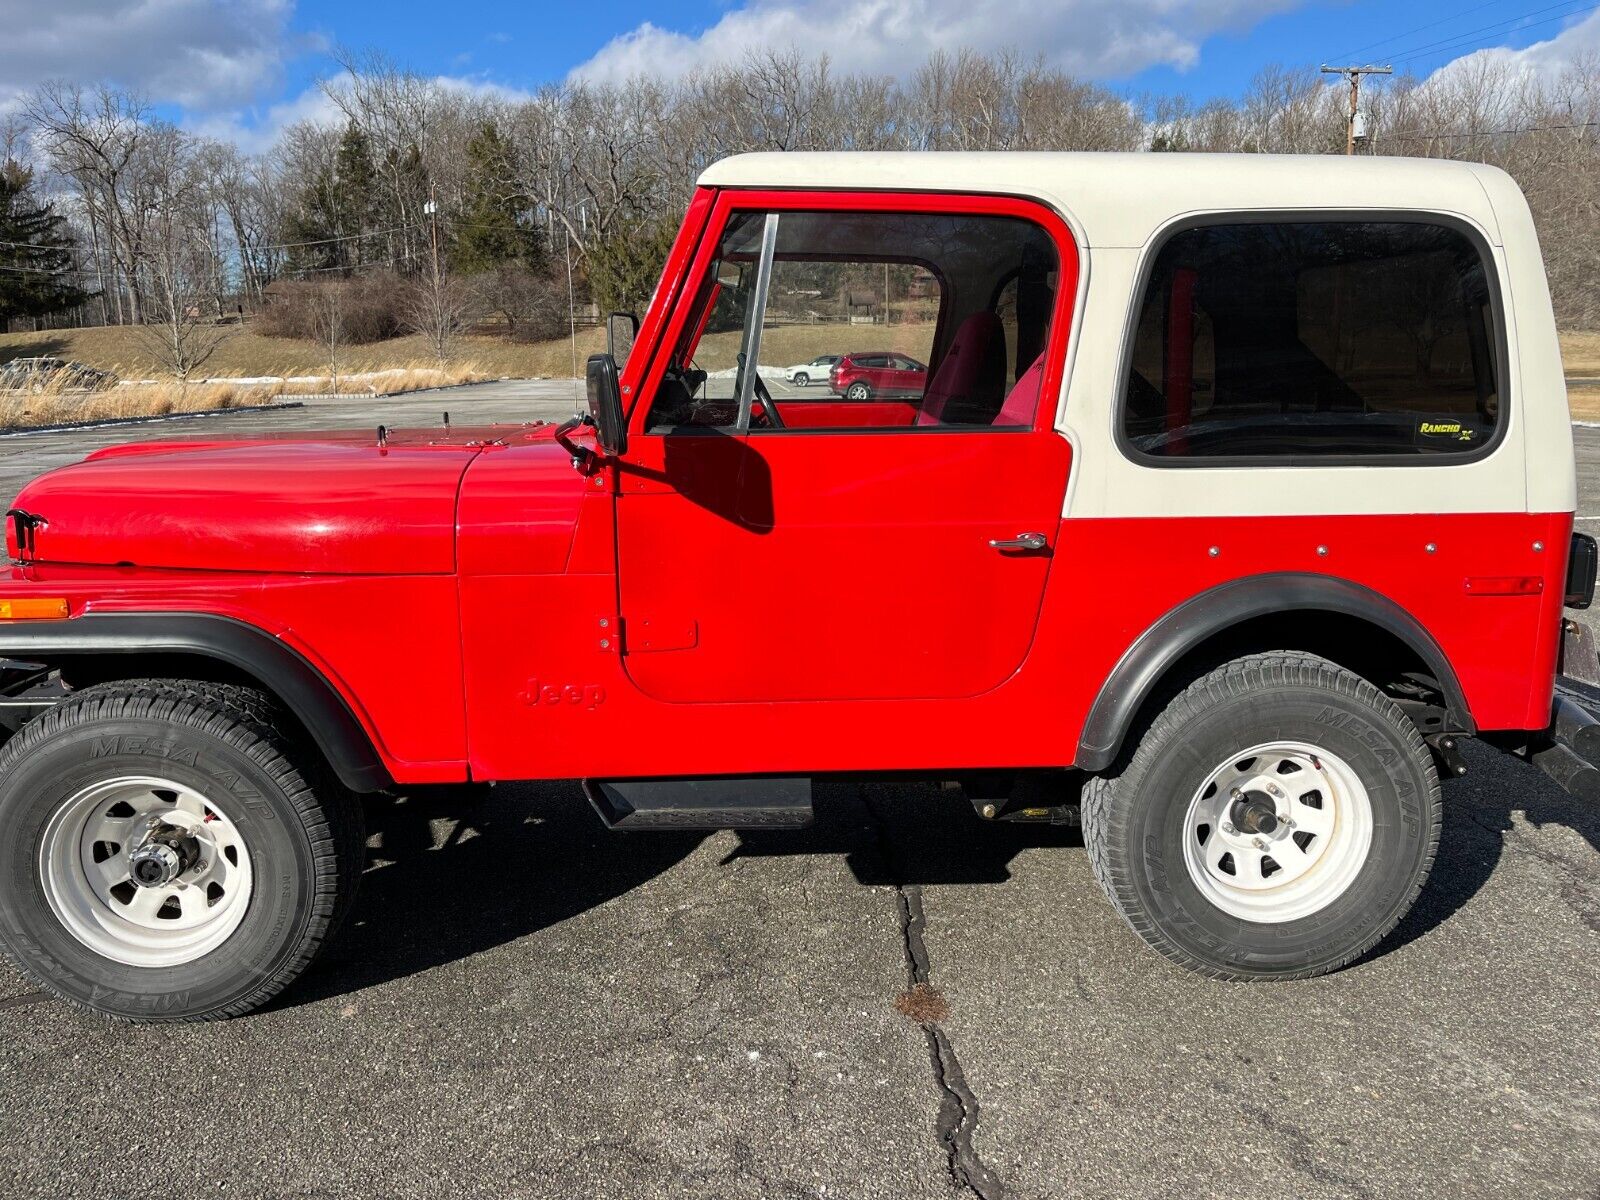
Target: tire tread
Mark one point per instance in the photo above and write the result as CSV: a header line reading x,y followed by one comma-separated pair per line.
x,y
1105,818
254,724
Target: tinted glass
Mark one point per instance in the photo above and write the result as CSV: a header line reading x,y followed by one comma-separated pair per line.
x,y
1314,339
925,321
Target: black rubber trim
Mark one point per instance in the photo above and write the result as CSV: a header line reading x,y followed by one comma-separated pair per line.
x,y
1191,623
276,666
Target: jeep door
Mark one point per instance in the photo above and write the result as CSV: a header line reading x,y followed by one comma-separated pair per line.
x,y
760,561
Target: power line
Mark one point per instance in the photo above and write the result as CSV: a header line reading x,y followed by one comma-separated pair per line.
x,y
1414,135
328,241
1464,41
42,270
1389,41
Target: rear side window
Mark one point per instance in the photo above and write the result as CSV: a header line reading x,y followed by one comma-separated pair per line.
x,y
1314,340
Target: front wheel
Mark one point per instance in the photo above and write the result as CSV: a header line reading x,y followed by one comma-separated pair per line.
x,y
1277,819
801,379
169,851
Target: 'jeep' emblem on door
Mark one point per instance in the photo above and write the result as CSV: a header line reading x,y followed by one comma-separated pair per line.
x,y
537,695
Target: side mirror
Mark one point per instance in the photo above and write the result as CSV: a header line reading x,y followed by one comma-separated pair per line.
x,y
605,405
621,330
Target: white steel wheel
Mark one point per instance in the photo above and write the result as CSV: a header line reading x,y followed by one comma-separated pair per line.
x,y
145,871
1277,832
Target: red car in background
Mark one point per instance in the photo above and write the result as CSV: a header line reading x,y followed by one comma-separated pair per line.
x,y
876,374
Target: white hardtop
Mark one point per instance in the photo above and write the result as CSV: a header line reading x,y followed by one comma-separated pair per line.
x,y
1118,206
1123,199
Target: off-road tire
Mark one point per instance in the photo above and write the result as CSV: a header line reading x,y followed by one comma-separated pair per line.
x,y
1133,818
304,833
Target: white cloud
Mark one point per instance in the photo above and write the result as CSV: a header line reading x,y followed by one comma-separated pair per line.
x,y
1544,60
1089,38
196,53
257,129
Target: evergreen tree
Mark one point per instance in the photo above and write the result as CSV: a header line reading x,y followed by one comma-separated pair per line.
x,y
35,251
355,197
497,228
311,226
624,265
332,219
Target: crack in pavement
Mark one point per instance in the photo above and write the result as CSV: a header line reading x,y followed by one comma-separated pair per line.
x,y
958,1107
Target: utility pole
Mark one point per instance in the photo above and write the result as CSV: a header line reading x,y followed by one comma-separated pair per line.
x,y
431,208
1354,74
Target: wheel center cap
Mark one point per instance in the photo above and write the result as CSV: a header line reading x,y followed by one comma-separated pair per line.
x,y
1254,812
166,854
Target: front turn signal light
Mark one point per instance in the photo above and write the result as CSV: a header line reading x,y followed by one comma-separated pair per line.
x,y
33,608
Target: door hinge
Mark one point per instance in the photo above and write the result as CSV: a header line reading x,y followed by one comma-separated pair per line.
x,y
647,635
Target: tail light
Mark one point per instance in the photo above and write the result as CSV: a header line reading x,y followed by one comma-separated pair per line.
x,y
1581,571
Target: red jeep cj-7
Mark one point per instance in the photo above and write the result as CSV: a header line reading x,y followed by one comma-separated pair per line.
x,y
1238,491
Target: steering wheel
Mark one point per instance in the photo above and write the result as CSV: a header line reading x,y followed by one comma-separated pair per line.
x,y
771,409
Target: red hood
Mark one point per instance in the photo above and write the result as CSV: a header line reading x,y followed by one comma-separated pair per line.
x,y
318,503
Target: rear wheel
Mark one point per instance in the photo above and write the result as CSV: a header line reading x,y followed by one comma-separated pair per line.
x,y
170,852
858,391
1277,819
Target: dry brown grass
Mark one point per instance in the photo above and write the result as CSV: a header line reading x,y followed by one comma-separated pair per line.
x,y
54,407
244,353
789,345
1580,354
60,405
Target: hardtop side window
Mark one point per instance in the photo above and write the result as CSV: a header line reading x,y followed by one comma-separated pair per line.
x,y
919,321
1314,339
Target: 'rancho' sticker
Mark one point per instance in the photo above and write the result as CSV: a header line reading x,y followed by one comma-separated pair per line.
x,y
1449,429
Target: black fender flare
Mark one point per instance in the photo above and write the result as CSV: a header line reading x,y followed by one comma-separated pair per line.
x,y
274,664
1211,612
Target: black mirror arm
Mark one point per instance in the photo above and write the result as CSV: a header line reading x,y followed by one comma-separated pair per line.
x,y
584,459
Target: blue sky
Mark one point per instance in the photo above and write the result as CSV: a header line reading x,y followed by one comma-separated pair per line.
x,y
243,68
523,45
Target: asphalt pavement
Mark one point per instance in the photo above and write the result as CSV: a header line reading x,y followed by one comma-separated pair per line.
x,y
527,1005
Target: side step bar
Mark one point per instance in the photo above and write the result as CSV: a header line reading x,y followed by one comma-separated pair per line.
x,y
701,803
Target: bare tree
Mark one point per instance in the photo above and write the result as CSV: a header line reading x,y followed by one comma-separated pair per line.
x,y
93,136
439,307
175,263
328,303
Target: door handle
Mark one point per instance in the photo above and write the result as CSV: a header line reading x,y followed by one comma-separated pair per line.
x,y
1023,541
